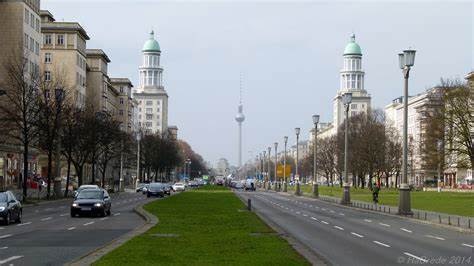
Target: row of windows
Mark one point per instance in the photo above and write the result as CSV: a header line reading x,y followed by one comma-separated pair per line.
x,y
149,103
354,106
80,79
151,60
352,81
32,21
148,117
149,110
31,44
48,39
148,124
352,64
32,67
81,62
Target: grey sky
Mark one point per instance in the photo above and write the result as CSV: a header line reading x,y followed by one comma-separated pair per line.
x,y
290,54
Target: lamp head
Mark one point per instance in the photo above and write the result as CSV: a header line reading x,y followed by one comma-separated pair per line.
x,y
347,98
409,57
285,138
276,145
401,60
315,119
297,131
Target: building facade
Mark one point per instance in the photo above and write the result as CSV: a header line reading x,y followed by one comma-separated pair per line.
x,y
151,95
125,103
63,56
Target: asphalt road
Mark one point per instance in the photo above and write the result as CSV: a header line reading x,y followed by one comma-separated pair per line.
x,y
49,236
345,236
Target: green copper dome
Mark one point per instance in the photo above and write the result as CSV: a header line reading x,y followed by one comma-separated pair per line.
x,y
352,48
151,45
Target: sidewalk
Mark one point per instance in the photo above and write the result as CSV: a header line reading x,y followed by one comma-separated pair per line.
x,y
463,223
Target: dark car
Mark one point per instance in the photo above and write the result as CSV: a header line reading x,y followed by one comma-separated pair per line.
x,y
10,208
93,202
155,189
167,188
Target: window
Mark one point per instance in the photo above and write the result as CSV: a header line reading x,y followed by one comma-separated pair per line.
x,y
26,39
37,25
149,110
121,89
27,16
353,106
37,48
158,109
60,40
121,100
120,112
32,20
47,76
148,124
47,39
149,117
158,103
353,113
32,44
47,58
149,103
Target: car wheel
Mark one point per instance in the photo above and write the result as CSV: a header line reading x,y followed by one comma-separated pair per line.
x,y
109,212
73,215
18,219
104,213
147,195
7,219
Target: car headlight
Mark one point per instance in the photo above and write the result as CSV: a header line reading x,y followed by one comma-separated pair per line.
x,y
75,205
2,209
98,205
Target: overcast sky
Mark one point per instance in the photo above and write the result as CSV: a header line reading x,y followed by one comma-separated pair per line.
x,y
290,54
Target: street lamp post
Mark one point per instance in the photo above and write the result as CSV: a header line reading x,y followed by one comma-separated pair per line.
x,y
406,61
346,100
440,147
265,174
139,136
315,152
297,176
268,167
276,164
285,185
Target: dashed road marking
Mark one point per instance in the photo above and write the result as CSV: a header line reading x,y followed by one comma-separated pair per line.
x,y
305,215
116,214
331,211
314,218
105,218
89,223
64,214
10,259
47,218
22,224
435,237
416,257
3,247
367,220
381,244
387,225
338,227
468,245
71,228
5,236
356,234
341,213
406,230
324,222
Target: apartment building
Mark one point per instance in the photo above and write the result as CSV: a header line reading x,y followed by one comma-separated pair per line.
x,y
126,103
63,55
20,38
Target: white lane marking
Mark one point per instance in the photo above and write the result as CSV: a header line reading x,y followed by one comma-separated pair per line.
x,y
89,223
356,234
323,209
3,247
367,220
116,214
331,211
64,214
71,228
47,218
1,228
380,243
10,259
304,214
23,224
314,218
341,213
416,257
298,212
105,218
387,225
324,222
467,245
5,236
406,230
338,227
316,207
435,237
311,206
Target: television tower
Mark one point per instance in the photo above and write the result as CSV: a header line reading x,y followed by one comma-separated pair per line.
x,y
240,117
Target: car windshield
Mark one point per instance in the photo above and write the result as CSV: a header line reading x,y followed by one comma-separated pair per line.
x,y
155,185
90,194
178,184
3,197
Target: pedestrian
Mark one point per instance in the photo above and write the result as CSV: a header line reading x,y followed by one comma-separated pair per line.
x,y
375,193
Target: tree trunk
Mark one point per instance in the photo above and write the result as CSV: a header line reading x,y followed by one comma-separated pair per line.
x,y
93,173
25,169
67,177
50,167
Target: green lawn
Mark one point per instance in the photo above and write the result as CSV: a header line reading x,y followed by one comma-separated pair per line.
x,y
456,203
210,230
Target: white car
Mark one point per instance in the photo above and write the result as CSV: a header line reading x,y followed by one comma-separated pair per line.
x,y
178,187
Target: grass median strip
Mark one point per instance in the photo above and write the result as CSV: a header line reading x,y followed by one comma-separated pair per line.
x,y
207,229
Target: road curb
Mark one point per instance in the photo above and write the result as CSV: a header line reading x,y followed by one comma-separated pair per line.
x,y
301,248
96,254
454,228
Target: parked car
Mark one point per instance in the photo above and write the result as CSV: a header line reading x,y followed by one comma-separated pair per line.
x,y
85,187
94,201
140,187
145,189
239,186
167,188
178,187
155,189
10,208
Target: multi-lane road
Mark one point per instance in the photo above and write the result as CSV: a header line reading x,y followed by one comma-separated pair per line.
x,y
49,236
346,236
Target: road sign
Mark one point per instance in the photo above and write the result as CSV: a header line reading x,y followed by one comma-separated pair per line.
x,y
280,170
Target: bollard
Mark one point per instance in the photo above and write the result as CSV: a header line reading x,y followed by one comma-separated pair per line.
x,y
449,220
459,224
249,204
418,215
439,216
425,216
383,208
469,223
388,209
